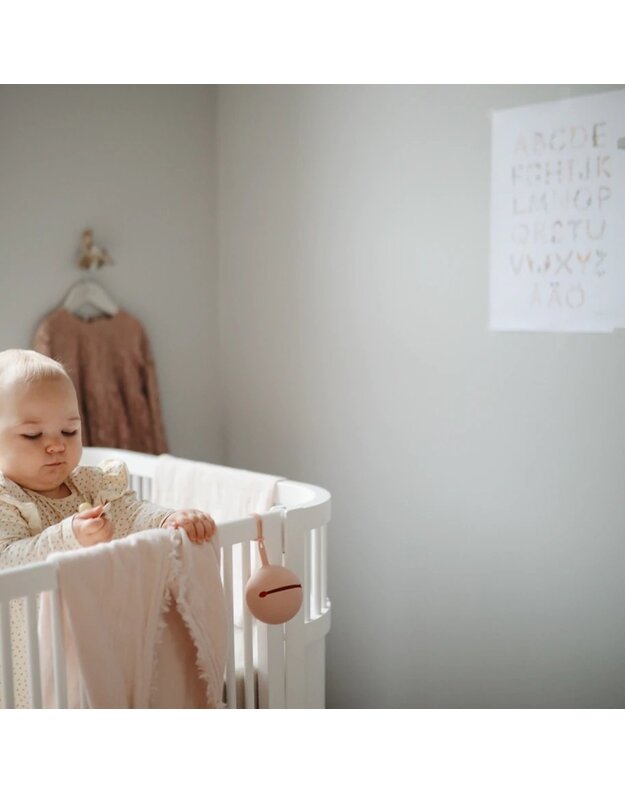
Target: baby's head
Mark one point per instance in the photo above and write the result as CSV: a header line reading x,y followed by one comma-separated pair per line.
x,y
40,440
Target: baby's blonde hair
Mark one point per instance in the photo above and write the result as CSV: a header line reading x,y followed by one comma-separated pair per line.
x,y
28,366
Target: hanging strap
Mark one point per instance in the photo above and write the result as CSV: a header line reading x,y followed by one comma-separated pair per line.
x,y
260,539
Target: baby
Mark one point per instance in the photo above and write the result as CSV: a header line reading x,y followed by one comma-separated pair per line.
x,y
43,490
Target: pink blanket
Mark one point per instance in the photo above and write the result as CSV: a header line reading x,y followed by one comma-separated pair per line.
x,y
144,623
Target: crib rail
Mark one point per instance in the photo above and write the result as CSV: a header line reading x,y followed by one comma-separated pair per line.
x,y
26,584
267,666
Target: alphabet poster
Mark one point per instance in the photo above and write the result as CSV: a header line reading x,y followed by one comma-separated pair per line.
x,y
557,257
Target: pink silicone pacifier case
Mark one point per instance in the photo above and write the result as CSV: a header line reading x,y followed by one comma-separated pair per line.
x,y
274,593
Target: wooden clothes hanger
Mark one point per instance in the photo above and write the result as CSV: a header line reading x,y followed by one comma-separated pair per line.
x,y
87,292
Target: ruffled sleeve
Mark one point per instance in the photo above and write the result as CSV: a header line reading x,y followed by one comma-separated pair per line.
x,y
110,483
114,482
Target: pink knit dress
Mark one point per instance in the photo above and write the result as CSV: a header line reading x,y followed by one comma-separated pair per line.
x,y
110,362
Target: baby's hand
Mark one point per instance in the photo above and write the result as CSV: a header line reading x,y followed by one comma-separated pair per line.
x,y
199,526
91,527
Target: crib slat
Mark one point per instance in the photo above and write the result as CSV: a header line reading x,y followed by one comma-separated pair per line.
x,y
231,690
60,677
136,484
323,579
7,665
248,662
270,638
316,572
295,629
307,577
33,651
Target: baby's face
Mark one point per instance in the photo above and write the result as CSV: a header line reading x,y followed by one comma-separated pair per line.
x,y
40,439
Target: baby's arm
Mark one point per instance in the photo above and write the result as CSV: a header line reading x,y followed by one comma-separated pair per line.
x,y
19,547
129,514
133,515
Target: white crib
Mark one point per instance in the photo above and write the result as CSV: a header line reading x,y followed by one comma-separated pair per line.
x,y
268,666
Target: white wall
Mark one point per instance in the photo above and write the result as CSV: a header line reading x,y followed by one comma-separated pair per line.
x,y
137,163
477,544
477,541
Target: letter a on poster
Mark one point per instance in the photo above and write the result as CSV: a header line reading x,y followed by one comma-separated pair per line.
x,y
557,253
